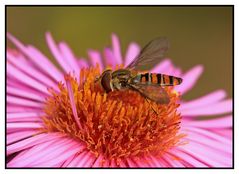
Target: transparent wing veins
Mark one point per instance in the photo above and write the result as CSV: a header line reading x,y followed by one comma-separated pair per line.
x,y
151,54
152,92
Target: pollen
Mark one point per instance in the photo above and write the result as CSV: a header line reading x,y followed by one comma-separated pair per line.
x,y
116,125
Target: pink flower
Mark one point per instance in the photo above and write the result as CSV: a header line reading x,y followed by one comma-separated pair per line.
x,y
32,78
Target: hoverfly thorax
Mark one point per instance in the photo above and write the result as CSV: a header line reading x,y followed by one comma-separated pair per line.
x,y
120,78
114,80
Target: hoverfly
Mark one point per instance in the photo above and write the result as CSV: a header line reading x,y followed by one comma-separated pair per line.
x,y
149,85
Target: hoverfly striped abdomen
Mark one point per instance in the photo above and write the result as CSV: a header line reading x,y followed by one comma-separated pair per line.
x,y
160,79
145,78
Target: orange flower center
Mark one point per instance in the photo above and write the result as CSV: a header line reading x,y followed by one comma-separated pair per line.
x,y
117,125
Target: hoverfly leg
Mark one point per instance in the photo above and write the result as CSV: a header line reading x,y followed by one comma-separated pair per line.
x,y
155,110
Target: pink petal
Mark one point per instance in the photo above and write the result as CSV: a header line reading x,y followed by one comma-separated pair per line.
x,y
98,162
26,94
200,139
55,156
214,158
83,63
19,56
68,161
37,57
43,152
210,98
20,89
216,123
109,57
200,158
33,154
77,159
82,159
165,163
59,165
30,71
11,138
188,158
26,79
123,164
42,62
150,163
57,54
24,102
213,109
25,120
190,79
205,142
87,160
227,133
22,117
21,153
163,67
169,71
141,162
69,56
116,49
73,105
173,162
132,51
95,58
176,72
32,141
113,164
206,133
19,109
156,161
131,163
23,126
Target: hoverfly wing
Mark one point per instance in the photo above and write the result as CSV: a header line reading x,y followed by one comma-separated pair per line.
x,y
153,92
151,53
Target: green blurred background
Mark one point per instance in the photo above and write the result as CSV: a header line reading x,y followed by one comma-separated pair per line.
x,y
198,35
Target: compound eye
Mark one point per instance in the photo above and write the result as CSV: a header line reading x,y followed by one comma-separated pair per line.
x,y
105,82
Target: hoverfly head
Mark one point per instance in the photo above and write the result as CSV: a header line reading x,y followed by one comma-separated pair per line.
x,y
105,80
